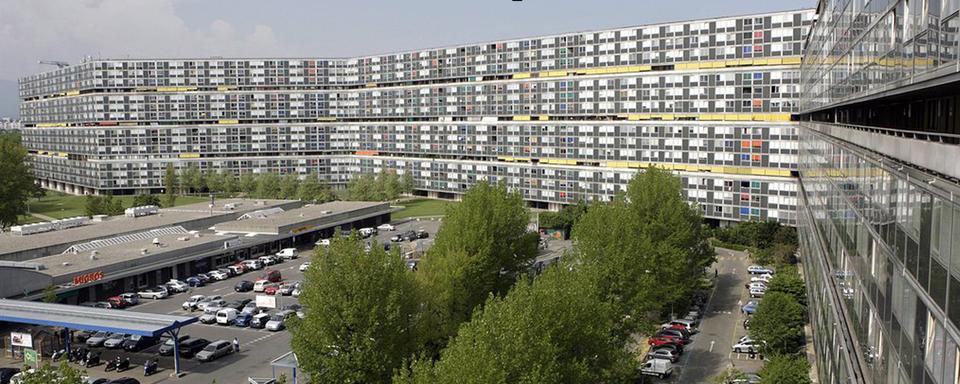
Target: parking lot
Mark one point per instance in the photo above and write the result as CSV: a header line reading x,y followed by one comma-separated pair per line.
x,y
257,346
709,352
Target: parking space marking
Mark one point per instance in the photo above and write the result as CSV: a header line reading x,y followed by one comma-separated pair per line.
x,y
261,338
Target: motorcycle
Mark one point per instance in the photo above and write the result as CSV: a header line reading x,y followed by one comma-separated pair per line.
x,y
92,360
58,354
77,355
150,367
117,364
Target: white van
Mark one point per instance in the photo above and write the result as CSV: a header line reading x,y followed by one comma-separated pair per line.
x,y
252,264
226,316
657,367
288,253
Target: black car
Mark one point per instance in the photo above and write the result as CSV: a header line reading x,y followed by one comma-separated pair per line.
x,y
82,336
167,348
124,380
243,286
228,271
238,304
136,343
190,347
421,234
7,373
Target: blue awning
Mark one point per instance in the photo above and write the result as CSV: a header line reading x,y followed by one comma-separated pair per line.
x,y
90,319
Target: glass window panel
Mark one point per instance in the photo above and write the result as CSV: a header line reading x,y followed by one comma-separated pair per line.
x,y
938,283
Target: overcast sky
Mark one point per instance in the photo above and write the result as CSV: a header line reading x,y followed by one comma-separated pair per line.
x,y
68,30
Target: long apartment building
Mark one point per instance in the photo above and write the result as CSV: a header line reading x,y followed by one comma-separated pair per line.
x,y
559,118
879,215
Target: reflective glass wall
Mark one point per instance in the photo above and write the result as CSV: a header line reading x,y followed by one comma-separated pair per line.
x,y
881,252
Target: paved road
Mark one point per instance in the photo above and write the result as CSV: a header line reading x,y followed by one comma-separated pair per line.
x,y
710,352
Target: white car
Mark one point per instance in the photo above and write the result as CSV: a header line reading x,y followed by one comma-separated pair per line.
x,y
304,266
386,227
214,301
192,302
746,346
759,270
757,285
209,314
761,279
367,232
177,285
217,275
153,293
755,293
267,260
323,242
287,254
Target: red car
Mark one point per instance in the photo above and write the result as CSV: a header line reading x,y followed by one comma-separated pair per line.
x,y
673,339
117,302
271,290
657,341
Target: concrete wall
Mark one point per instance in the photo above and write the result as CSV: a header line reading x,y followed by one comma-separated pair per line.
x,y
16,281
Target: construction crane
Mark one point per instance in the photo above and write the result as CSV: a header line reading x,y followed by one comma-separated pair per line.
x,y
59,64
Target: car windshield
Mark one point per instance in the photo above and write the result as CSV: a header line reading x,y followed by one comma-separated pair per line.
x,y
277,317
135,337
100,334
210,347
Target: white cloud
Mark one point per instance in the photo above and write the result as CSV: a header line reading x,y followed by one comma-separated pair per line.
x,y
70,29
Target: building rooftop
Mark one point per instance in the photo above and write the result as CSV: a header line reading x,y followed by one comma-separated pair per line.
x,y
116,225
128,255
305,218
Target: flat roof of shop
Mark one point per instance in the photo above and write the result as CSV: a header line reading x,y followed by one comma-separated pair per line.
x,y
115,225
116,256
90,319
308,217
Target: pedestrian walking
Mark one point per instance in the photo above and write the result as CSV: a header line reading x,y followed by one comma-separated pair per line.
x,y
716,273
236,344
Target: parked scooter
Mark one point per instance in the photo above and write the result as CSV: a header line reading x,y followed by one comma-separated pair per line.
x,y
119,364
150,367
58,354
77,355
92,359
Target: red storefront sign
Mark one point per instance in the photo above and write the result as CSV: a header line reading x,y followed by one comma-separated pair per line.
x,y
87,277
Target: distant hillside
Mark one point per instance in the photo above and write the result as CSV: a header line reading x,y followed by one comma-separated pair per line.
x,y
8,99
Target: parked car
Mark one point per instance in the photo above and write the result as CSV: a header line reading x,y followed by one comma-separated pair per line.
x,y
304,266
215,350
756,285
191,303
250,308
267,260
190,347
657,341
682,333
98,304
421,234
261,285
238,304
367,232
194,281
676,339
117,302
115,340
212,301
124,380
137,343
323,242
251,265
403,236
757,292
296,292
242,320
237,269
153,293
288,253
243,286
260,320
749,308
177,285
278,321
226,316
746,346
209,315
166,348
82,336
130,298
218,275
748,378
271,289
205,277
689,325
287,289
97,339
656,367
664,354
272,275
386,227
761,279
676,348
759,270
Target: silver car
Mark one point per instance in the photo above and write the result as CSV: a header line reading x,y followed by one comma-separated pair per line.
x,y
97,339
115,340
215,350
277,321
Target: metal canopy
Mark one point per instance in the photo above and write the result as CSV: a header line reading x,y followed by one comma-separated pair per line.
x,y
90,319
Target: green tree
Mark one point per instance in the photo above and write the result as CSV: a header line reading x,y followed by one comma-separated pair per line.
x,y
141,200
487,234
46,374
113,205
192,179
788,280
169,200
170,182
16,180
650,244
565,219
214,181
363,306
50,294
406,182
779,323
248,183
785,370
364,187
93,205
289,184
268,186
311,189
553,330
229,182
388,183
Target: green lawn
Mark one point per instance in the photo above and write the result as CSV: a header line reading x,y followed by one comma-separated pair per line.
x,y
422,207
60,205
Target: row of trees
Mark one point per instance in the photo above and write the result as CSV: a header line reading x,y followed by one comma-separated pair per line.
x,y
472,314
769,241
16,180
